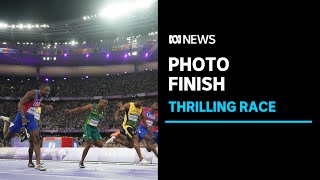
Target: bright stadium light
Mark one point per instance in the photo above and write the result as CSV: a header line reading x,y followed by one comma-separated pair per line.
x,y
23,43
84,18
37,25
27,43
21,26
55,43
13,26
32,26
29,26
18,42
44,58
31,43
73,42
54,58
4,43
48,58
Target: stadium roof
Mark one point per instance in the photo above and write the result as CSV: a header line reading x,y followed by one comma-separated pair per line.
x,y
66,20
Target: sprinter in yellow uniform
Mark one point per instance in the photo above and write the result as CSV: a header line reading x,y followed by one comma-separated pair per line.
x,y
127,136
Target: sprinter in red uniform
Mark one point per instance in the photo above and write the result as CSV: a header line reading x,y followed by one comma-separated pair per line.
x,y
27,115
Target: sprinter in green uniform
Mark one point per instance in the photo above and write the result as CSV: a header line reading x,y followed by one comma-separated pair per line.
x,y
90,130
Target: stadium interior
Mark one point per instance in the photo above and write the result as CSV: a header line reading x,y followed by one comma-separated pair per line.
x,y
99,52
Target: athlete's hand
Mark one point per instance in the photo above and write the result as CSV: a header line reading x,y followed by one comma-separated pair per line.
x,y
24,121
49,107
67,112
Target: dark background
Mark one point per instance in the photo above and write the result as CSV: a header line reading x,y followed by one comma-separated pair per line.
x,y
270,49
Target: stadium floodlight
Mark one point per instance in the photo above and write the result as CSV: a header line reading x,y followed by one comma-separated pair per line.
x,y
32,26
37,25
129,54
69,42
9,26
47,25
47,79
100,40
65,54
77,42
29,26
146,55
44,25
4,43
55,43
156,32
31,43
48,58
54,58
73,42
44,47
146,69
55,46
21,26
23,43
87,77
64,78
8,79
134,53
18,42
84,18
44,58
107,74
13,26
27,42
84,42
52,80
125,72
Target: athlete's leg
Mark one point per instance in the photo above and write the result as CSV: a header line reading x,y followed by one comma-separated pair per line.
x,y
136,146
9,129
32,128
87,146
124,141
88,143
31,148
150,144
99,143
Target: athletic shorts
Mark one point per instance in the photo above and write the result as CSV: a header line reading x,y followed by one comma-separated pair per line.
x,y
128,130
142,131
17,123
91,133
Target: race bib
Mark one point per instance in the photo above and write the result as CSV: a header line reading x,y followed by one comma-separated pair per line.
x,y
93,122
133,117
35,112
150,123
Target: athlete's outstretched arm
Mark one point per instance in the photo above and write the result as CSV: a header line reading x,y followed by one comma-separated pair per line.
x,y
123,108
79,109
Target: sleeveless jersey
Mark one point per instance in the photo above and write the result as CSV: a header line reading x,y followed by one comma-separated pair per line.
x,y
33,107
149,116
94,116
132,115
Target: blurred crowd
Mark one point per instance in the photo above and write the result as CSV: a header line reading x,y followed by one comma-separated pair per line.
x,y
116,84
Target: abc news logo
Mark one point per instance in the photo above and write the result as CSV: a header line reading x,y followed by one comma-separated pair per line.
x,y
192,39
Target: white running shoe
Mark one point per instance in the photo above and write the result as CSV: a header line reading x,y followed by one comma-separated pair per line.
x,y
111,140
4,118
40,167
143,161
